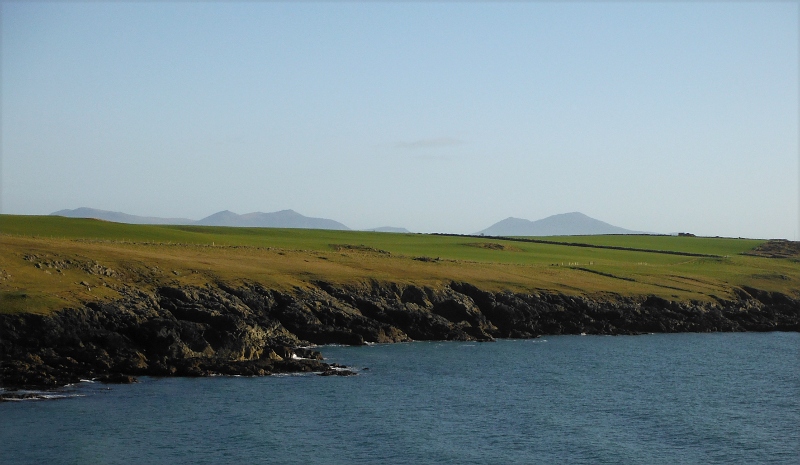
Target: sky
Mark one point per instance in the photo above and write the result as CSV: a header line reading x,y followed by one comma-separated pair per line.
x,y
433,116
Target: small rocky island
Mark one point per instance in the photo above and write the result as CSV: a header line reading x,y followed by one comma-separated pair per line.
x,y
254,331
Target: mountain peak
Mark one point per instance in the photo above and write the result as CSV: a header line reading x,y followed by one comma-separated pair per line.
x,y
563,224
279,219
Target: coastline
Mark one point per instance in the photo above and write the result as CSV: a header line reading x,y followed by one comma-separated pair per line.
x,y
251,330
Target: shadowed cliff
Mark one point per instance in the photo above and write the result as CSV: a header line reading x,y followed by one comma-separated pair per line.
x,y
252,330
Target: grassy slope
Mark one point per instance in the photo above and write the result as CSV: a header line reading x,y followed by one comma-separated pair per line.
x,y
105,256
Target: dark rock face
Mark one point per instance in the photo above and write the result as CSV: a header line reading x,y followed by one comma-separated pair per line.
x,y
256,331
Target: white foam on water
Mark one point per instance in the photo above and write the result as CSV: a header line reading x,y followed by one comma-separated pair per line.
x,y
61,396
38,395
286,375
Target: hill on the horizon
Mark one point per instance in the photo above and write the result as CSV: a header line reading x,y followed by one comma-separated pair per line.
x,y
119,217
565,224
280,219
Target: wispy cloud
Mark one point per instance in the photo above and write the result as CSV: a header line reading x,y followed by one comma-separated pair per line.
x,y
438,142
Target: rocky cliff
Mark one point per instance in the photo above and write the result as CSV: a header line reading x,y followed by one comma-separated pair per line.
x,y
251,330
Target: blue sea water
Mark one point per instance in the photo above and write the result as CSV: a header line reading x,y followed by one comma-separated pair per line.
x,y
670,398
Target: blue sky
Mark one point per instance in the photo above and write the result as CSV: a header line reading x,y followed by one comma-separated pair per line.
x,y
437,117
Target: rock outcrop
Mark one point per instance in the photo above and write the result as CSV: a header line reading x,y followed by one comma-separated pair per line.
x,y
252,330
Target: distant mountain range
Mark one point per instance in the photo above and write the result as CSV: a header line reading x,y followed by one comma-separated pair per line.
x,y
281,219
565,224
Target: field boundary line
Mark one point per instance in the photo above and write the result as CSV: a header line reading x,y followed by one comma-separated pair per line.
x,y
581,244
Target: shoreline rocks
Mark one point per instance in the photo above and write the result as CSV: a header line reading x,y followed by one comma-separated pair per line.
x,y
254,331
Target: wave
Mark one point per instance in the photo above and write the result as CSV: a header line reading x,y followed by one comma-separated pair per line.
x,y
27,395
300,374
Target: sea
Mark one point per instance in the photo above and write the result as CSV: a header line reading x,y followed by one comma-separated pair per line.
x,y
653,399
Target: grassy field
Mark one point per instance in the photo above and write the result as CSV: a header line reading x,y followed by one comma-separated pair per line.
x,y
48,262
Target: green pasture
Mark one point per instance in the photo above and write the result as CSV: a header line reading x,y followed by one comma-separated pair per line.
x,y
441,246
698,245
150,255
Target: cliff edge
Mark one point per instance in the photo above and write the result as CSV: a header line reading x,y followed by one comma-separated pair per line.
x,y
252,330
